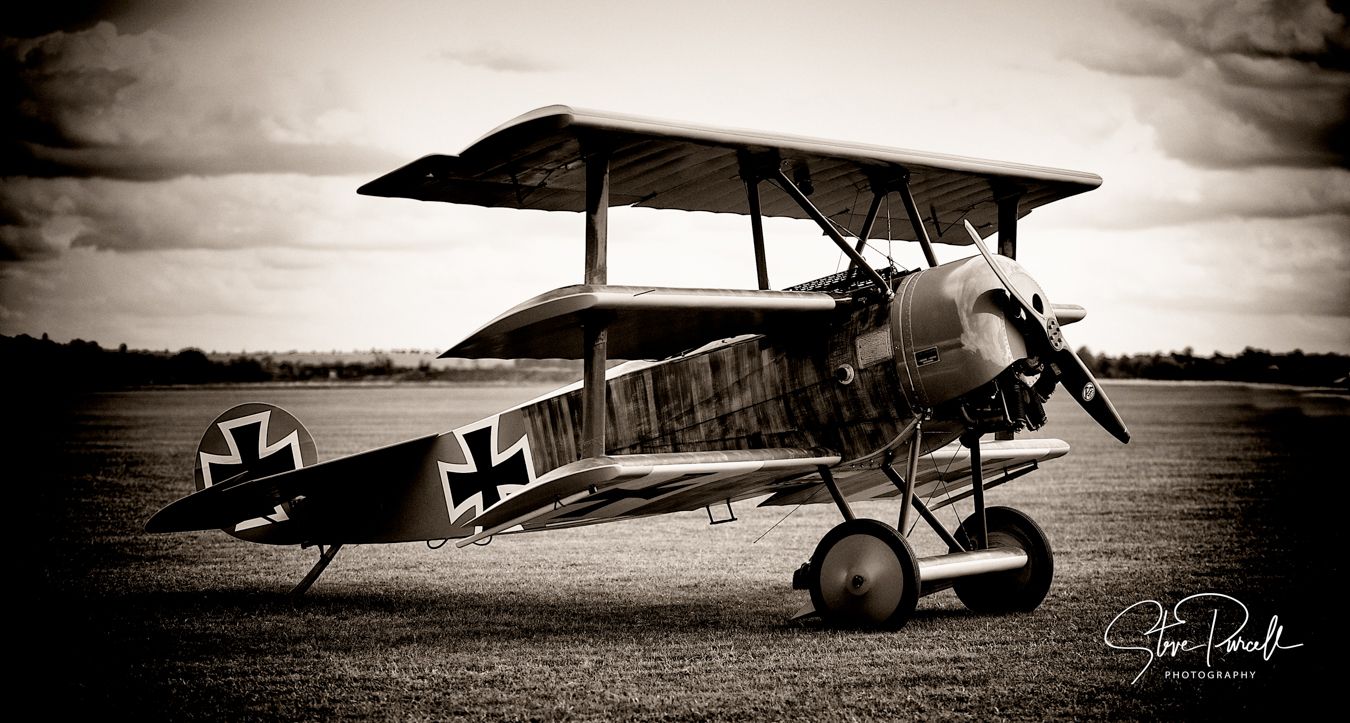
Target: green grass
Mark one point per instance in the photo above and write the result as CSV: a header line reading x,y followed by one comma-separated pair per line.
x,y
1227,489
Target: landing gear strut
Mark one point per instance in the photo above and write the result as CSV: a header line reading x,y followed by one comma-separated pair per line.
x,y
864,572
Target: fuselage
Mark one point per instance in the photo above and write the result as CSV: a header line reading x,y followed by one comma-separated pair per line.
x,y
850,386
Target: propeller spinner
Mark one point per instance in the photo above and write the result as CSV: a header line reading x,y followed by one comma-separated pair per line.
x,y
1067,367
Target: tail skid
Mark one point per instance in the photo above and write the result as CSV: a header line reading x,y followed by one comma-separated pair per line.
x,y
325,557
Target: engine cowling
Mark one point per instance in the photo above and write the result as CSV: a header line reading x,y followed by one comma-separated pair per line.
x,y
952,331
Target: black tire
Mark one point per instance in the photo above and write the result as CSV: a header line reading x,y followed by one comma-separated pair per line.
x,y
864,574
1015,590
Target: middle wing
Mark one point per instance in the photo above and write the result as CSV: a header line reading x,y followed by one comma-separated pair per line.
x,y
644,322
604,489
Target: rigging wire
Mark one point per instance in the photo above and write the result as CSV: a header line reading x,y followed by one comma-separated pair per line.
x,y
942,482
789,514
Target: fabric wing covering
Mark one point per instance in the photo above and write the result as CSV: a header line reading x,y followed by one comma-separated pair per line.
x,y
537,161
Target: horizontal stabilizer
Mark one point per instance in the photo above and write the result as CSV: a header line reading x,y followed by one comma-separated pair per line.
x,y
617,486
222,506
644,322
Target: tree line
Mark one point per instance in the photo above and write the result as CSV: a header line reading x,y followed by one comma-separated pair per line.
x,y
1251,365
86,365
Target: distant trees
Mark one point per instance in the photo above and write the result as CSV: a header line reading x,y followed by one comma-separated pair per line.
x,y
85,365
1251,365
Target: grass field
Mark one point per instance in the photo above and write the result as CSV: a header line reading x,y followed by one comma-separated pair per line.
x,y
1224,489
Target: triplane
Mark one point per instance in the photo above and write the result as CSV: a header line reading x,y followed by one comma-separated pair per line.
x,y
866,384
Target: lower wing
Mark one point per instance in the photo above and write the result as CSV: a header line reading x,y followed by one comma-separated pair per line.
x,y
604,489
944,474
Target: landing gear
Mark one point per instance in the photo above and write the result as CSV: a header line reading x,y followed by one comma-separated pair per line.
x,y
864,574
1020,590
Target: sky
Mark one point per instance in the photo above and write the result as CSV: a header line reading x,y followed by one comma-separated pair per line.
x,y
184,173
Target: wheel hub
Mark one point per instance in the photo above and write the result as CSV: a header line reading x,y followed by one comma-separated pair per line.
x,y
864,574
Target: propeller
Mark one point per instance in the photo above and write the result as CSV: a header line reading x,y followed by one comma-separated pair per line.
x,y
1065,364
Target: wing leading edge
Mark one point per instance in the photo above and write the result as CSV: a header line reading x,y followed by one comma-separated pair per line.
x,y
644,322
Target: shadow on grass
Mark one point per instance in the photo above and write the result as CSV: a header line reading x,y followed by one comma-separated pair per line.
x,y
359,619
206,624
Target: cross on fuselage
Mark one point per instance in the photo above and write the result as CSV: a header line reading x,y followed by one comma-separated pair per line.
x,y
485,478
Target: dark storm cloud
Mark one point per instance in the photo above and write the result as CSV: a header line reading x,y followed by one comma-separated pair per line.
x,y
30,20
100,103
1261,82
43,217
1312,31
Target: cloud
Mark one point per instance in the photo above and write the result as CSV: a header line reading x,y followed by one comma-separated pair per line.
x,y
1232,85
1222,284
45,217
277,299
1303,30
498,60
42,18
100,103
1234,266
1139,199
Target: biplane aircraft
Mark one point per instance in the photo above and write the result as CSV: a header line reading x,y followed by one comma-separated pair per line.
x,y
865,384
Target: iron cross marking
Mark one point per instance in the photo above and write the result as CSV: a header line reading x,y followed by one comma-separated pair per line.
x,y
486,478
249,442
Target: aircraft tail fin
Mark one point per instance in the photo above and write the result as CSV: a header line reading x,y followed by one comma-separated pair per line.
x,y
245,443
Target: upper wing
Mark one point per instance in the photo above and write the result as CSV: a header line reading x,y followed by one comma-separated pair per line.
x,y
602,489
644,322
944,474
535,161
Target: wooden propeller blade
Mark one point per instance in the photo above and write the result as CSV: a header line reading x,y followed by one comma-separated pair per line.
x,y
1073,374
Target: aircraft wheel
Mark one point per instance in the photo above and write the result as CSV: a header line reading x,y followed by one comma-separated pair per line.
x,y
1015,590
864,574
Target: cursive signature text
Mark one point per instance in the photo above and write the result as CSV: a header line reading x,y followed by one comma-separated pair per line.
x,y
1205,624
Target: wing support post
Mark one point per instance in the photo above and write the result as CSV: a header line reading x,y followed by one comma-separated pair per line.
x,y
595,327
916,220
757,230
325,557
906,484
868,222
825,225
1008,206
838,496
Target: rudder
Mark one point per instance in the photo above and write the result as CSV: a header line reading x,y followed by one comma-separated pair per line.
x,y
248,442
